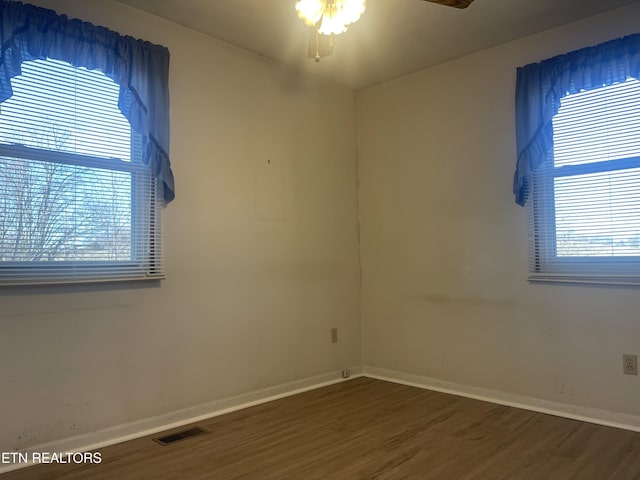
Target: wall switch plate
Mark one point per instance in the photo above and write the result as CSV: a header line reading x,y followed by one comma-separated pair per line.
x,y
630,364
334,335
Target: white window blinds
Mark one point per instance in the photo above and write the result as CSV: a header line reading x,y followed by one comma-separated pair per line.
x,y
76,203
585,214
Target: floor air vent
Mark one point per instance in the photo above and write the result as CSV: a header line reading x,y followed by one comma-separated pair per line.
x,y
177,436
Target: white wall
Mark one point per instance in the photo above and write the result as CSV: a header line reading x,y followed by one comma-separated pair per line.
x,y
444,247
261,260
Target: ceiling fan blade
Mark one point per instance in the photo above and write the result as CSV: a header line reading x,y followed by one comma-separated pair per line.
x,y
452,3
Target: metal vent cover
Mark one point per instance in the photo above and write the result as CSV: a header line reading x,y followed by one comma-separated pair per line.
x,y
181,435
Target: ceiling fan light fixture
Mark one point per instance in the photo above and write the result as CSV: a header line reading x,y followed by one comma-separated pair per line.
x,y
350,11
331,23
330,17
310,11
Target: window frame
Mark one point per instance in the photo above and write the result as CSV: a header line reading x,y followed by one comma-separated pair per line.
x,y
545,264
146,255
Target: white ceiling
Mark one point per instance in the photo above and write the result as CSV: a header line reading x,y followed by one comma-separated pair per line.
x,y
393,37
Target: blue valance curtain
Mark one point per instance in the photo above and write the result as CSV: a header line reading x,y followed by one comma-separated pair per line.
x,y
140,68
540,86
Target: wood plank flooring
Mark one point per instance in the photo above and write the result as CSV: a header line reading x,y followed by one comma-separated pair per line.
x,y
370,429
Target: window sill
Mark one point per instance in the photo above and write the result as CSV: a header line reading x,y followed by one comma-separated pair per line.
x,y
586,279
79,281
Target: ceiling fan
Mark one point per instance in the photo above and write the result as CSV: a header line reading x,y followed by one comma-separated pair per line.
x,y
331,17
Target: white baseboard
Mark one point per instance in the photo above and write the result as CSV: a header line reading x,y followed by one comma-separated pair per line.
x,y
122,433
574,412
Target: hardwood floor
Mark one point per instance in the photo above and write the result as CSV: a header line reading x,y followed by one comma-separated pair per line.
x,y
369,429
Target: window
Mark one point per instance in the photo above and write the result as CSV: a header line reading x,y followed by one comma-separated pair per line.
x,y
578,165
585,210
77,203
84,152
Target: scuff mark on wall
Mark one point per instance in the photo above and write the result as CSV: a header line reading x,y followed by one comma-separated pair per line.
x,y
479,302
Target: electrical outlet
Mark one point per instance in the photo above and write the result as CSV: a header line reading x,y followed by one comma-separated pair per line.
x,y
334,335
346,373
630,364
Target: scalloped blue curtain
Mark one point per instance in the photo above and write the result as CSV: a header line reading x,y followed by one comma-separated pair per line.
x,y
540,86
140,68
